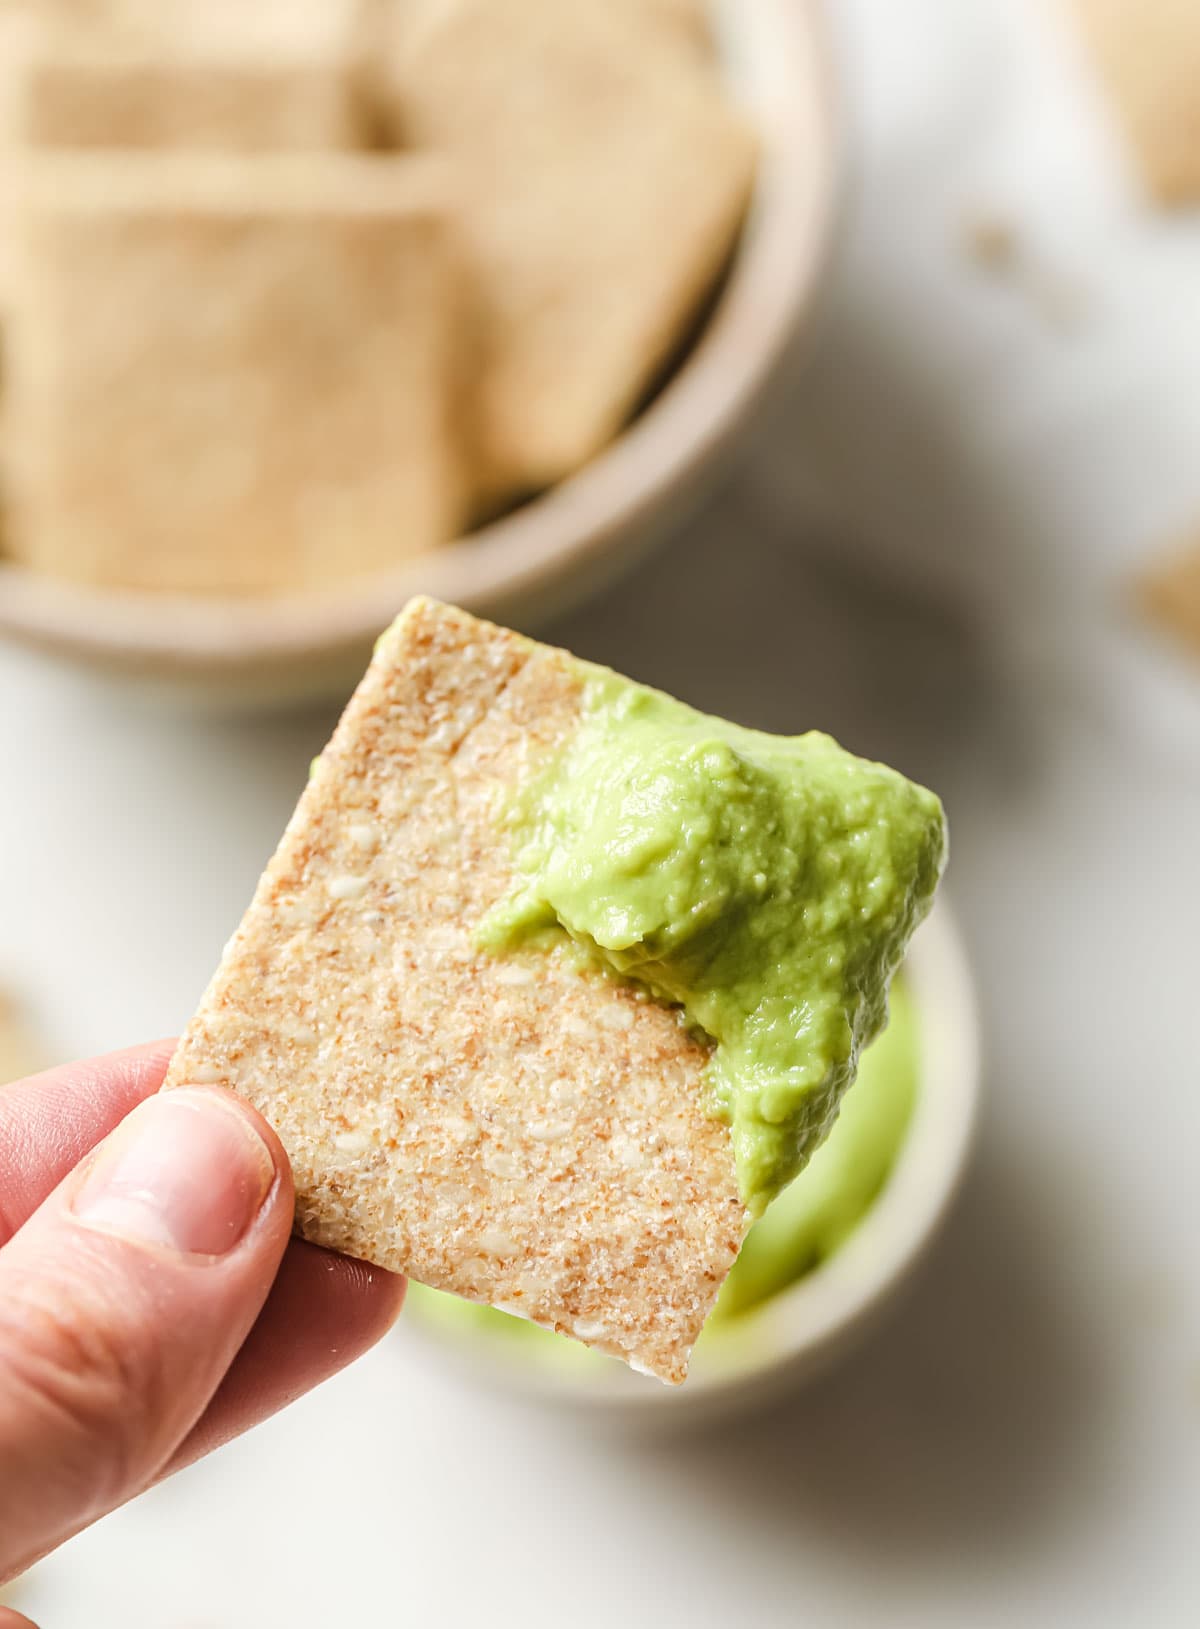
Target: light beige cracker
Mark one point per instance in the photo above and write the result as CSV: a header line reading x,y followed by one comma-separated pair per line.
x,y
690,21
1148,53
233,374
278,23
259,77
517,1130
606,175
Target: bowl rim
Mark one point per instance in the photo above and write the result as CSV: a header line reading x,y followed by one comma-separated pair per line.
x,y
574,527
767,1348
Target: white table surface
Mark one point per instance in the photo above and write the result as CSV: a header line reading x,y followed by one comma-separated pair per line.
x,y
1022,1442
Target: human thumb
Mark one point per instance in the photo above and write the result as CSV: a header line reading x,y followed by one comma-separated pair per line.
x,y
123,1300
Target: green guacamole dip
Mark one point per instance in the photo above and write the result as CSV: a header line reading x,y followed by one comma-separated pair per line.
x,y
804,1226
840,1183
767,885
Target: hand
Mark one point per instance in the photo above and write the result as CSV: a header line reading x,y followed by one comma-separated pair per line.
x,y
152,1301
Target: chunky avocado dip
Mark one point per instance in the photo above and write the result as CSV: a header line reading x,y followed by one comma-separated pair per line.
x,y
767,885
804,1226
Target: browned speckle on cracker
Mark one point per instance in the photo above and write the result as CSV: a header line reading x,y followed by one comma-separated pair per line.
x,y
521,1130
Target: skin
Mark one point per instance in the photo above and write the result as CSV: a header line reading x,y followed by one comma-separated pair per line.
x,y
124,1355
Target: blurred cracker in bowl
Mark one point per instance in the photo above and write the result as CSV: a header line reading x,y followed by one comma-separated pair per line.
x,y
1148,54
189,73
243,78
244,652
270,21
605,177
691,21
232,373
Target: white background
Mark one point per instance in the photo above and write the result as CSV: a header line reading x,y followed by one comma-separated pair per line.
x,y
923,552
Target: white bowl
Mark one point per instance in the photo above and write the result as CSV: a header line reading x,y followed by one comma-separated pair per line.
x,y
555,550
796,1333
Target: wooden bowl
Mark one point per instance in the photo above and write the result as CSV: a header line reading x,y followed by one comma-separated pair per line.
x,y
558,547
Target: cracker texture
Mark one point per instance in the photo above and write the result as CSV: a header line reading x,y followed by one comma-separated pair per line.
x,y
258,78
295,426
518,1130
605,176
1148,54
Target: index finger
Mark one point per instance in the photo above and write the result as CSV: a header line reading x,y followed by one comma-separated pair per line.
x,y
48,1122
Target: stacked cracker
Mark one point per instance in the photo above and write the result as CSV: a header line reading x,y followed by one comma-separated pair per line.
x,y
301,286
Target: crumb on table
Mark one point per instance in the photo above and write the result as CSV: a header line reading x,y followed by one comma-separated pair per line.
x,y
1167,594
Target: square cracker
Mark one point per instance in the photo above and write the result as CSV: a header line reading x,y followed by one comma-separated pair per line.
x,y
1148,53
232,373
246,78
606,174
517,1130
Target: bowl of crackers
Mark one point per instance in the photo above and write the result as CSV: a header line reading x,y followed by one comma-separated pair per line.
x,y
310,307
818,1272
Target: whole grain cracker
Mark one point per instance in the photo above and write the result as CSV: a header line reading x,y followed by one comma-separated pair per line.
x,y
517,1130
228,372
690,21
605,176
264,77
281,24
1148,54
